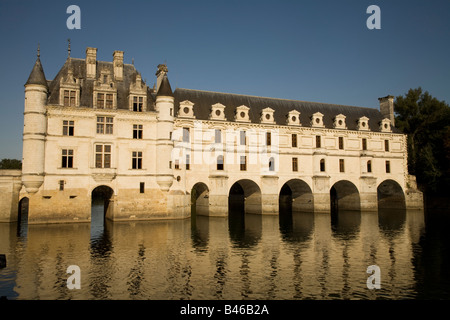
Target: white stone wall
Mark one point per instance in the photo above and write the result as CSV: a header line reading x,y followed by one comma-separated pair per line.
x,y
167,189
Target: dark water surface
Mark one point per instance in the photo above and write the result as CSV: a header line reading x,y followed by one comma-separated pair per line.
x,y
299,256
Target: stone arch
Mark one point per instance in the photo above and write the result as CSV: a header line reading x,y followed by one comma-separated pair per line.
x,y
200,199
344,195
296,196
390,195
245,196
102,198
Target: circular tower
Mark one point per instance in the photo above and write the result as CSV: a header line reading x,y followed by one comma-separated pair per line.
x,y
164,145
34,129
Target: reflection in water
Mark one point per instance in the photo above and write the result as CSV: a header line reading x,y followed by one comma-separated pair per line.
x,y
345,224
245,256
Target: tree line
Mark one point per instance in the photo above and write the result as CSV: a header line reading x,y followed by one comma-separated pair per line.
x,y
426,121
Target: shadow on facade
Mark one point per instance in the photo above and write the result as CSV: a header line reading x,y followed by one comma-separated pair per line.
x,y
22,219
390,195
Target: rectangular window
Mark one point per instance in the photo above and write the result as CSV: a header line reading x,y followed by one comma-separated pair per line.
x,y
137,131
67,158
341,165
109,101
141,187
243,163
242,138
109,125
268,138
105,100
100,100
386,145
318,142
105,125
388,166
294,164
66,98
170,164
61,185
341,143
364,144
138,103
68,127
103,156
69,98
137,160
188,162
218,136
186,135
177,164
220,163
294,140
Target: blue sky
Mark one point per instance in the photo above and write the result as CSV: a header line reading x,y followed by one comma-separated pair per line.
x,y
305,50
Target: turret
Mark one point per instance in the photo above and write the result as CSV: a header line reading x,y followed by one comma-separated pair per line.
x,y
164,145
35,125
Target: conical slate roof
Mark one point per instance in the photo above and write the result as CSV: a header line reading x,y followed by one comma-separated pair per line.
x,y
164,88
37,75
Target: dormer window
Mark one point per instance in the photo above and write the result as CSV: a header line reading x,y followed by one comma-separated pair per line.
x,y
293,118
385,125
105,101
69,91
363,124
217,112
339,122
186,109
105,93
70,98
317,120
242,114
138,104
267,115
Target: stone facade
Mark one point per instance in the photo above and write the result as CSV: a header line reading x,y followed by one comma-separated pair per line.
x,y
98,129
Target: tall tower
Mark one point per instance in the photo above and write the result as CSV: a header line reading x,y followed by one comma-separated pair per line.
x,y
164,145
34,130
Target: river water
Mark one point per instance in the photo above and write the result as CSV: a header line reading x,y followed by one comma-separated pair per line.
x,y
298,256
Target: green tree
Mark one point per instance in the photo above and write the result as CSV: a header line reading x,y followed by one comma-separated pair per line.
x,y
10,164
426,121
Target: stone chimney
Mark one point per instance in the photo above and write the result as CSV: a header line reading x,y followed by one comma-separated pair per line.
x,y
91,63
118,65
387,108
162,71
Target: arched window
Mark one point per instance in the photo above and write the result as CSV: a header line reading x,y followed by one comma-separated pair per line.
x,y
322,165
369,166
272,164
220,163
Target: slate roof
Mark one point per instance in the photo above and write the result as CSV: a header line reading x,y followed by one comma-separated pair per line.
x,y
78,67
37,75
164,88
203,100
